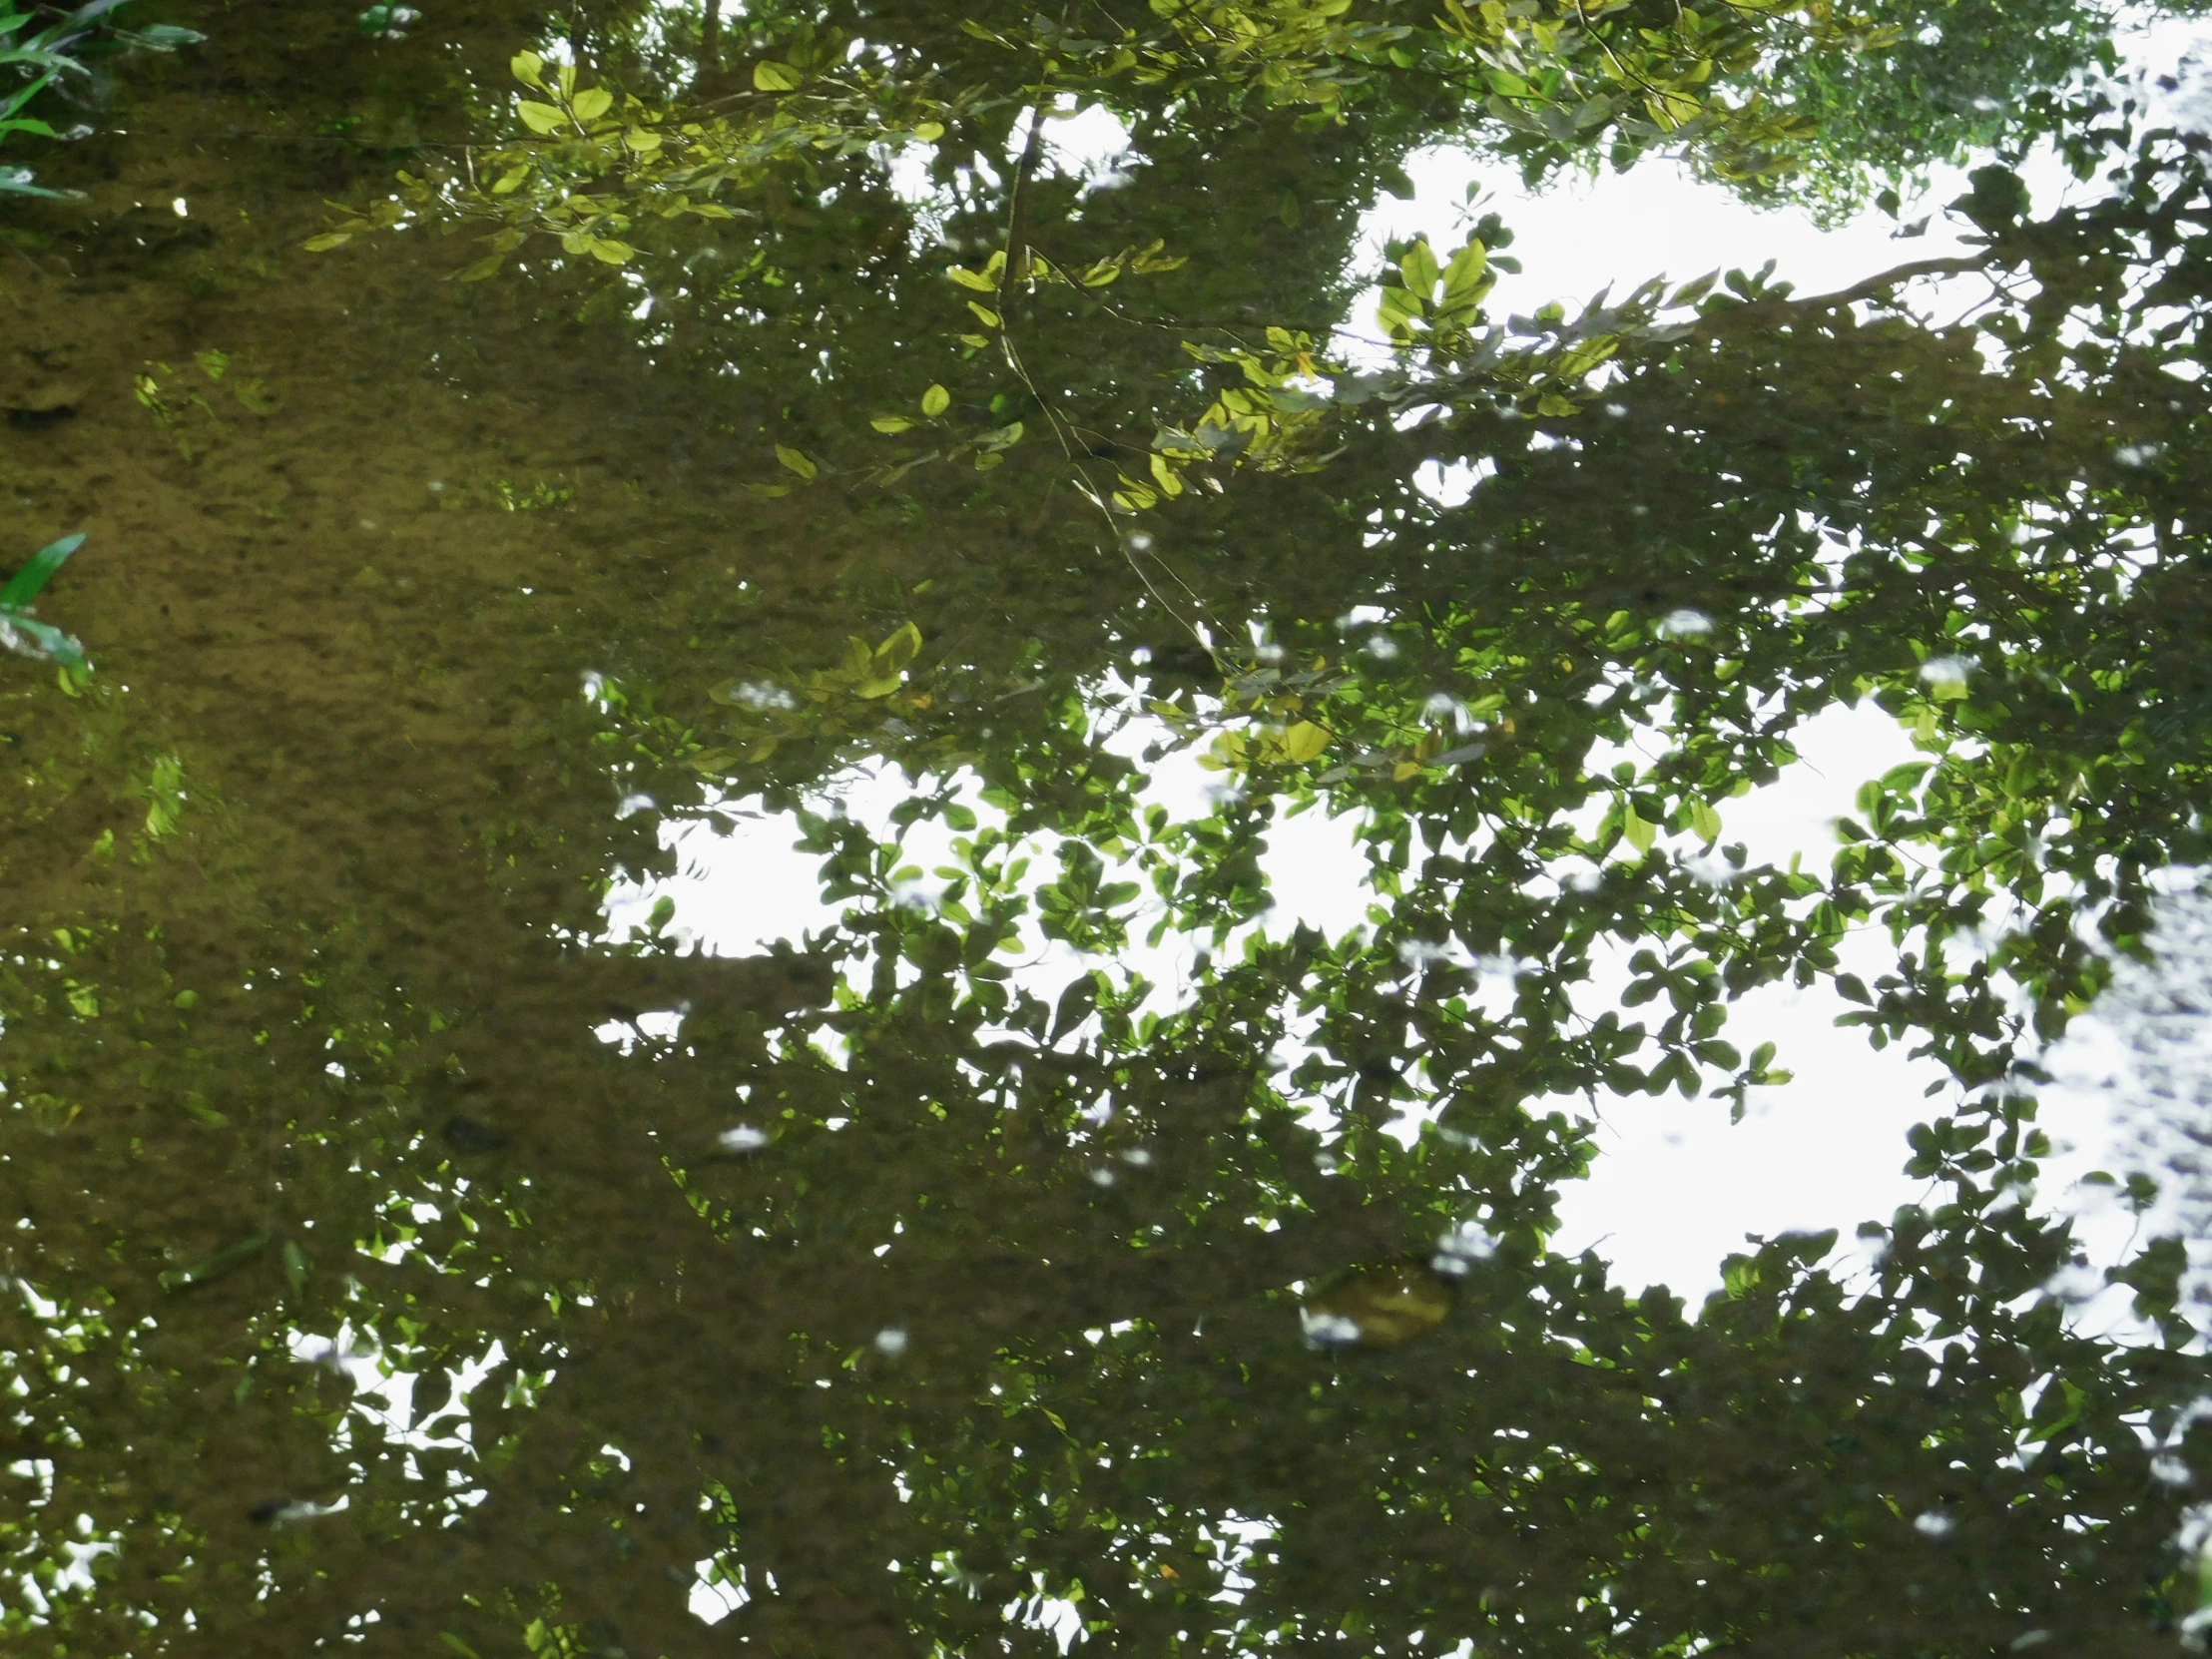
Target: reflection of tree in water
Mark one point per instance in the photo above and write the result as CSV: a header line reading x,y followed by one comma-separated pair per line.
x,y
991,1334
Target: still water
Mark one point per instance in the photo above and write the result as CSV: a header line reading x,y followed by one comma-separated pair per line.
x,y
865,830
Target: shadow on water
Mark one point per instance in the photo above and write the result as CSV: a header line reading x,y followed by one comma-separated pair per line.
x,y
515,455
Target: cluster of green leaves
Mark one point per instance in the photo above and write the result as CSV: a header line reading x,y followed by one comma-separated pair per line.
x,y
587,166
34,59
19,630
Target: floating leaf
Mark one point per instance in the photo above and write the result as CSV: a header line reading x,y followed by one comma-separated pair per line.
x,y
1383,1307
328,240
899,650
213,1266
796,462
892,423
935,401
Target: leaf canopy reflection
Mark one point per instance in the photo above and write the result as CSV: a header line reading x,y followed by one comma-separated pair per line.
x,y
1048,1244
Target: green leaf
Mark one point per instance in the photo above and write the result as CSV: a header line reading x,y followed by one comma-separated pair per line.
x,y
1419,268
771,76
1704,821
592,103
297,1267
899,650
972,279
935,401
794,461
24,585
1303,741
1467,277
1640,832
539,117
528,68
213,1266
612,252
930,131
892,423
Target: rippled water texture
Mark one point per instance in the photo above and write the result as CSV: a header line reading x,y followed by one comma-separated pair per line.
x,y
851,831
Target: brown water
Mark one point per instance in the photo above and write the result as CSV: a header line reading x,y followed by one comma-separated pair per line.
x,y
935,1288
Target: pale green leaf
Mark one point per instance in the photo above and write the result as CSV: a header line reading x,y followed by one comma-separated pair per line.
x,y
772,76
795,461
935,401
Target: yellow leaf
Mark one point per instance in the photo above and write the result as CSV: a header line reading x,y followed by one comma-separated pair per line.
x,y
539,117
796,462
528,66
592,103
989,317
1169,480
1404,769
1303,741
930,131
935,401
771,76
892,423
899,650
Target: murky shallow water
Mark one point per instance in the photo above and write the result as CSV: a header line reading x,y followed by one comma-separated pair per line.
x,y
631,1026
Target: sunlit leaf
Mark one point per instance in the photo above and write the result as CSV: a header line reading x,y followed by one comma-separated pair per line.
x,y
769,74
935,401
794,461
592,103
1303,741
539,117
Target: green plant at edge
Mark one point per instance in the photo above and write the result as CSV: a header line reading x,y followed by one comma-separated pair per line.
x,y
18,630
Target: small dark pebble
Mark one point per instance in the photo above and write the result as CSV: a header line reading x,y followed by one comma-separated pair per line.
x,y
36,420
467,1135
